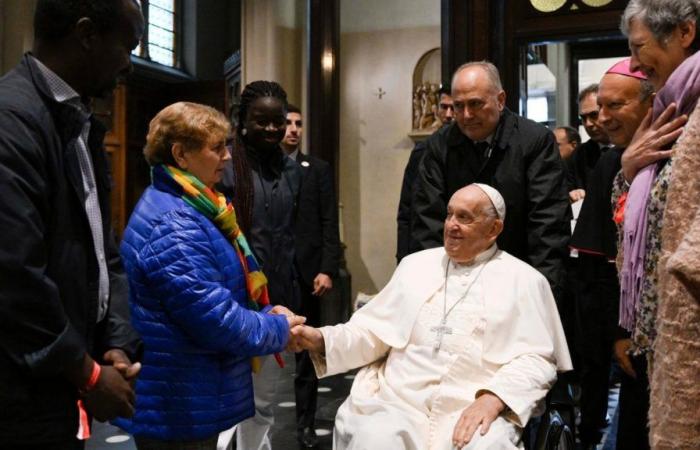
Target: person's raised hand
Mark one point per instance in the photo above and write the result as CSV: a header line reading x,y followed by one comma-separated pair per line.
x,y
481,413
123,364
111,397
309,338
621,351
650,140
576,195
322,284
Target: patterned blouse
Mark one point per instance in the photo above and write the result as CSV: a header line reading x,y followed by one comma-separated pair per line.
x,y
644,331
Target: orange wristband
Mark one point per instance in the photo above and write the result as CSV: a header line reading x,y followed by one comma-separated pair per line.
x,y
94,376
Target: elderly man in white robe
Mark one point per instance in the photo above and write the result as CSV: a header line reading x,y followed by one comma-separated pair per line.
x,y
459,349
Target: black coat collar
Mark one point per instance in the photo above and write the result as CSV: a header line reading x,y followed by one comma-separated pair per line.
x,y
69,123
504,131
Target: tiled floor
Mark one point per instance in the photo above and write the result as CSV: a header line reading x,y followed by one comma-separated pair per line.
x,y
332,392
610,435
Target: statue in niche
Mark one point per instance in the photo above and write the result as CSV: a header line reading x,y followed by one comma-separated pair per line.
x,y
425,101
428,103
417,112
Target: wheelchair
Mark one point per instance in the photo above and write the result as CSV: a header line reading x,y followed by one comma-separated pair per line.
x,y
557,426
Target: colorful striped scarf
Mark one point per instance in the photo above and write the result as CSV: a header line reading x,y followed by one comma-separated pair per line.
x,y
213,205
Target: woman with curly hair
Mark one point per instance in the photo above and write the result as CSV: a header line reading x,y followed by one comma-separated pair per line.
x,y
197,295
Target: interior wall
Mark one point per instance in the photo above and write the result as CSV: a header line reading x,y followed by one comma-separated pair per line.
x,y
377,50
16,31
273,44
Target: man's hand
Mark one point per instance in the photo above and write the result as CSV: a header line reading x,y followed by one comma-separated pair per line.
x,y
309,338
111,397
649,141
122,363
621,350
576,195
322,284
482,412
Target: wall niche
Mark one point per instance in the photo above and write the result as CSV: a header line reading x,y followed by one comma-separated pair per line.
x,y
425,96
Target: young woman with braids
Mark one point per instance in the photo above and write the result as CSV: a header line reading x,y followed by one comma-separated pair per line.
x,y
264,184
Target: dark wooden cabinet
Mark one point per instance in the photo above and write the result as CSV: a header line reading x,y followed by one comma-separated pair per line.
x,y
111,112
127,114
499,31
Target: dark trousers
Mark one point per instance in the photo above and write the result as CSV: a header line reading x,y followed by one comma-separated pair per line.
x,y
305,381
566,305
596,319
633,428
73,444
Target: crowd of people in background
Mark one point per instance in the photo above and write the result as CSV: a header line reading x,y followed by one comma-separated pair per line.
x,y
627,295
176,335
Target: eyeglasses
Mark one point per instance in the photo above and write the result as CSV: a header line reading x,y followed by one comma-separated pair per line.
x,y
593,115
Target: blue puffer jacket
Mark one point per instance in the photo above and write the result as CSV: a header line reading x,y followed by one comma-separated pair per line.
x,y
188,300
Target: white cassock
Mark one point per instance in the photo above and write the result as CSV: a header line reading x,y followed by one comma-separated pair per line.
x,y
505,338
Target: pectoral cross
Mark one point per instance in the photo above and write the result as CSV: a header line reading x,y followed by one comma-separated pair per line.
x,y
441,330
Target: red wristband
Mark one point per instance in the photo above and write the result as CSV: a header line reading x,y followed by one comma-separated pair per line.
x,y
94,376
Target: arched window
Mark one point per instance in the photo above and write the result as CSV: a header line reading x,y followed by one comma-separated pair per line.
x,y
160,38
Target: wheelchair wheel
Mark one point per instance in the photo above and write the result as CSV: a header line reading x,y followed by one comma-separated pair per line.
x,y
554,433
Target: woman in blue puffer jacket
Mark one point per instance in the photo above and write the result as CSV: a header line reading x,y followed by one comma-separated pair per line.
x,y
197,297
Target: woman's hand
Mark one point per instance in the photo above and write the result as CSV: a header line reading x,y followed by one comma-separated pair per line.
x,y
279,309
649,141
621,350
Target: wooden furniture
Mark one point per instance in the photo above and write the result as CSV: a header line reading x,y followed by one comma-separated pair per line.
x,y
111,112
127,114
500,30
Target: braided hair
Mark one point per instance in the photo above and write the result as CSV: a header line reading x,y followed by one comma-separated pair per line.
x,y
256,90
243,186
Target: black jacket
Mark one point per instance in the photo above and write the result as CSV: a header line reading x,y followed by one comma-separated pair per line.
x,y
317,240
48,268
406,209
525,167
276,181
580,165
596,232
595,238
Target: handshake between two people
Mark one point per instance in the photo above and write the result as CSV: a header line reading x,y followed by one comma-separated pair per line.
x,y
301,337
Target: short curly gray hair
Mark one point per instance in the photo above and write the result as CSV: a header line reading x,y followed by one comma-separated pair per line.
x,y
661,17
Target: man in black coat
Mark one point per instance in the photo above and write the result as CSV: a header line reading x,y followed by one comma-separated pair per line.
x,y
581,163
489,144
597,302
66,345
317,248
403,217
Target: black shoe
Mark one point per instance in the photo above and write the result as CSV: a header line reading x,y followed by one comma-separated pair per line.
x,y
307,438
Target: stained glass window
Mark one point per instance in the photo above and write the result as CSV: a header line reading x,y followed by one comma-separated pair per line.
x,y
159,43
